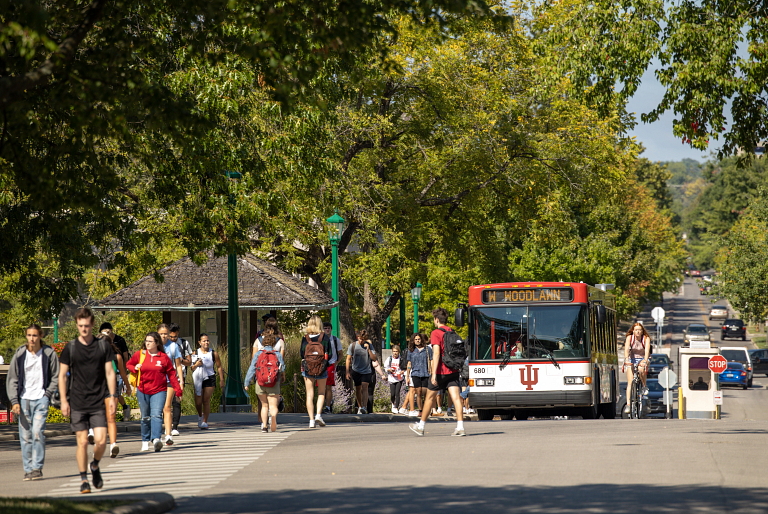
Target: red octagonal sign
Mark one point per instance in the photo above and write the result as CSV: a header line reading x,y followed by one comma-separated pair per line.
x,y
718,363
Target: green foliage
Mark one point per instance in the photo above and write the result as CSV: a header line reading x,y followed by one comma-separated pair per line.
x,y
604,43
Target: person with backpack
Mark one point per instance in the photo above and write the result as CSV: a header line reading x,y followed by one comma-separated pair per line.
x,y
268,368
360,355
122,378
186,359
315,348
33,378
122,346
205,361
93,378
154,370
395,377
270,325
449,352
336,352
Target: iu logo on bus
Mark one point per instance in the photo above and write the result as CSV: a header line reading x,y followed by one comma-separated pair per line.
x,y
532,379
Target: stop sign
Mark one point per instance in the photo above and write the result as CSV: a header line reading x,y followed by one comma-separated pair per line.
x,y
717,363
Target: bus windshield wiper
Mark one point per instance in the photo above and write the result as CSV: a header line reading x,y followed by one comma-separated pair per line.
x,y
537,343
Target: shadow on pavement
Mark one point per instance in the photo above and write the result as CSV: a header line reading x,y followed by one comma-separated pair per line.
x,y
593,498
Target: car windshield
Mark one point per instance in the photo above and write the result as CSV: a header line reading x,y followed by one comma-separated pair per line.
x,y
698,330
735,365
735,355
653,385
718,308
530,332
659,359
737,322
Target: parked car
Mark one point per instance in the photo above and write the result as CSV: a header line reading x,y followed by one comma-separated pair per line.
x,y
704,288
659,361
734,374
759,360
695,273
741,355
696,332
734,328
718,312
655,397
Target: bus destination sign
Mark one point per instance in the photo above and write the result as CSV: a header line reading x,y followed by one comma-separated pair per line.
x,y
533,294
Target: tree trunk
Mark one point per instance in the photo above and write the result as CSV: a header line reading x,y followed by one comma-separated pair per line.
x,y
377,321
347,328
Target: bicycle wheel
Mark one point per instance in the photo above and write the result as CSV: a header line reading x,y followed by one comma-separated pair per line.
x,y
634,402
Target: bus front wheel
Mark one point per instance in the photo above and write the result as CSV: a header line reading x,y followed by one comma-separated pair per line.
x,y
484,414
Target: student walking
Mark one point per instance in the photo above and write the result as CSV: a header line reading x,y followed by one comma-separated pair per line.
x,y
172,350
204,379
186,359
33,378
315,348
270,325
360,355
446,345
154,370
420,358
336,352
122,346
122,378
395,377
268,367
89,360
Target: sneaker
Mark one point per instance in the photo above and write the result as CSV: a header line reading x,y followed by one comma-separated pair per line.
x,y
204,426
145,446
269,421
439,410
98,483
319,420
174,432
114,450
27,476
85,487
645,391
36,474
200,424
90,436
327,410
448,412
126,413
415,428
359,411
394,410
199,420
413,414
403,410
311,423
168,440
158,445
264,429
458,433
363,411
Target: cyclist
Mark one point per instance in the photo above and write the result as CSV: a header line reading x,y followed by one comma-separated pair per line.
x,y
637,348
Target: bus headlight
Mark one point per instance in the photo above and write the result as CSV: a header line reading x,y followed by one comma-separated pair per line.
x,y
485,381
573,380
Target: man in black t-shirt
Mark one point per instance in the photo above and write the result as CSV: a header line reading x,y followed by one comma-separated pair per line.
x,y
89,360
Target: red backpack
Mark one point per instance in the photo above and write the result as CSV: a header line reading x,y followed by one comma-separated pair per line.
x,y
267,369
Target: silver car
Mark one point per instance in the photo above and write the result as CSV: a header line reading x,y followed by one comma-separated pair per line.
x,y
697,332
718,312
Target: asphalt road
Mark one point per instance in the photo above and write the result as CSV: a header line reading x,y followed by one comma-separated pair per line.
x,y
537,466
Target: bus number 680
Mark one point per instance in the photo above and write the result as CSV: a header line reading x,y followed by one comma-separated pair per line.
x,y
479,370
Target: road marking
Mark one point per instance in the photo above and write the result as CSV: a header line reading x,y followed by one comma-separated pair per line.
x,y
197,461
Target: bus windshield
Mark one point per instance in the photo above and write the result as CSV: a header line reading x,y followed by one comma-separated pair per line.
x,y
530,332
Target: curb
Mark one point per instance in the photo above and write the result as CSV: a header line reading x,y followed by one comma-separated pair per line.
x,y
153,503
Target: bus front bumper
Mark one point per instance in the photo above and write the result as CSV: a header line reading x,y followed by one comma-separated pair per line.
x,y
531,399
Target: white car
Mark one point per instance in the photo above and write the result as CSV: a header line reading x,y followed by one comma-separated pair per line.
x,y
718,312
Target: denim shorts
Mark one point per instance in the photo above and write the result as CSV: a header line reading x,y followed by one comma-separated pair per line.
x,y
319,377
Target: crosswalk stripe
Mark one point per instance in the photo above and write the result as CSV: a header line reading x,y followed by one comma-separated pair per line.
x,y
231,451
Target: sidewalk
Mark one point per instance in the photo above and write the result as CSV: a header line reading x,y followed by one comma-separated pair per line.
x,y
297,420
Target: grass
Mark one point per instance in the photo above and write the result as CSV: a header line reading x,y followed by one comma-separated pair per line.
x,y
760,341
55,506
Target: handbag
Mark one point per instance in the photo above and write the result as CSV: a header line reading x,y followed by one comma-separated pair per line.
x,y
134,378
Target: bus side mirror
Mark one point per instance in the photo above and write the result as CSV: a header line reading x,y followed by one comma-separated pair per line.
x,y
460,317
600,314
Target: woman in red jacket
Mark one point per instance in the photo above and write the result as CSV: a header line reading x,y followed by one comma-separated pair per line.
x,y
153,367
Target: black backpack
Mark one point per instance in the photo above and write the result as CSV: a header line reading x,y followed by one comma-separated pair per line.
x,y
454,350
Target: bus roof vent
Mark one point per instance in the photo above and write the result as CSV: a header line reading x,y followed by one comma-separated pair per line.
x,y
605,287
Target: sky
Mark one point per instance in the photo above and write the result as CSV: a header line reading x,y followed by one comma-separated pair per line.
x,y
657,137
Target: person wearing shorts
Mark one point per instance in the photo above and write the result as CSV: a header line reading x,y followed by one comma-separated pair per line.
x,y
336,351
360,355
419,358
314,333
205,361
442,377
268,396
93,378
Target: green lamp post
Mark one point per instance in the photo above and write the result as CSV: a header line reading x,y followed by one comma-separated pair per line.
x,y
234,392
335,230
389,332
416,296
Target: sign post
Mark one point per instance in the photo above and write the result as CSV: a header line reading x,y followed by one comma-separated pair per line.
x,y
668,380
658,314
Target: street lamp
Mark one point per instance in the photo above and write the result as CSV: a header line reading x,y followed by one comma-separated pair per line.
x,y
416,296
389,333
335,229
234,393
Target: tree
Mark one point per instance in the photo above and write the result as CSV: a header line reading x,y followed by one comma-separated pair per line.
x,y
96,138
710,53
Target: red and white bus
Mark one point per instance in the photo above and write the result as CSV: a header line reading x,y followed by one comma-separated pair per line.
x,y
541,349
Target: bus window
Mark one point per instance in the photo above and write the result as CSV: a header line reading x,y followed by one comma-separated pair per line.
x,y
559,330
502,327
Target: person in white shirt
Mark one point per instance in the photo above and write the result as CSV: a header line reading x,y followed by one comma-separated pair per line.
x,y
395,376
32,380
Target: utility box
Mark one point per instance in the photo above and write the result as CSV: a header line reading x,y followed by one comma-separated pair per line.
x,y
699,384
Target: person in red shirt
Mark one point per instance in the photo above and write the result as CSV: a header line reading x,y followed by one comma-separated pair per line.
x,y
153,369
441,377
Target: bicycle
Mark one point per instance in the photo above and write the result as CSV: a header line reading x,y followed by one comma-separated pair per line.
x,y
635,401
